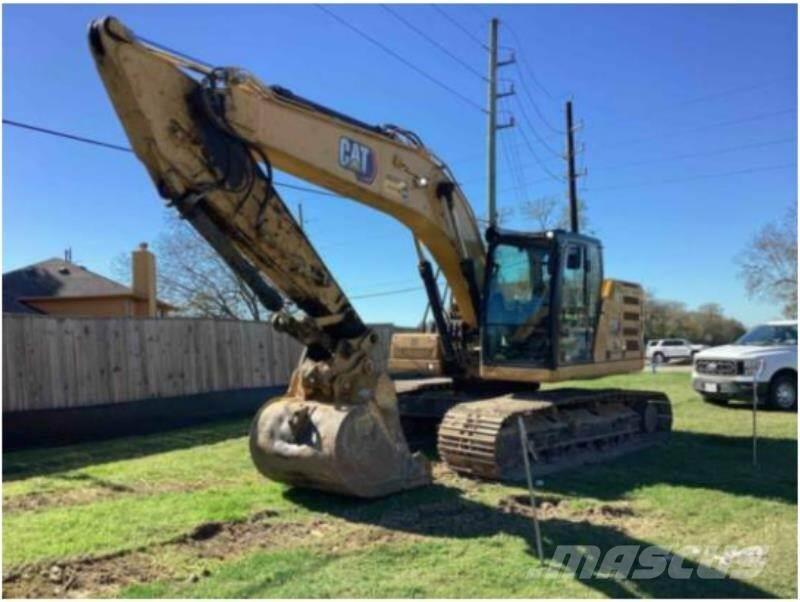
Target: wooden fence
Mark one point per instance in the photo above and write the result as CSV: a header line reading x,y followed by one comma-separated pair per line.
x,y
54,362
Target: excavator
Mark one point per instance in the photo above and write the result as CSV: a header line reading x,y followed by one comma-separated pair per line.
x,y
526,308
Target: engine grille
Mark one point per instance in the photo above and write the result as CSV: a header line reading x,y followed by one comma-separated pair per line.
x,y
720,367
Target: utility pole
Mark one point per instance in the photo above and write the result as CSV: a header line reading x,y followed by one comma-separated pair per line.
x,y
572,177
300,221
492,125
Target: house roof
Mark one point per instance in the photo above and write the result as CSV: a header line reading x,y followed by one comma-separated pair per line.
x,y
56,278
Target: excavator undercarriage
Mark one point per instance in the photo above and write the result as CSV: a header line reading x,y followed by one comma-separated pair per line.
x,y
477,430
565,428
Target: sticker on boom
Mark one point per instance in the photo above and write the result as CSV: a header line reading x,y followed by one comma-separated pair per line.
x,y
358,158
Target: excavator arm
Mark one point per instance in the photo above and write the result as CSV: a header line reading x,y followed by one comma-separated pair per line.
x,y
187,130
209,138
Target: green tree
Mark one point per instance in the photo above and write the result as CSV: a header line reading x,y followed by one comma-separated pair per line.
x,y
707,324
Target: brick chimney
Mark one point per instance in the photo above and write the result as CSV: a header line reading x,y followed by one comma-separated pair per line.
x,y
144,277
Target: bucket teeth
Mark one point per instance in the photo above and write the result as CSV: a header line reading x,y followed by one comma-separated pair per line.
x,y
356,450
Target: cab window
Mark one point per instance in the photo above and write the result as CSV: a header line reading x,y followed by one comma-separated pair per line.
x,y
581,279
517,324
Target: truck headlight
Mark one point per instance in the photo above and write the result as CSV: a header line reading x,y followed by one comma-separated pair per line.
x,y
749,367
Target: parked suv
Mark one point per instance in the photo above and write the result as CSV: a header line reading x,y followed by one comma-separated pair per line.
x,y
727,372
663,350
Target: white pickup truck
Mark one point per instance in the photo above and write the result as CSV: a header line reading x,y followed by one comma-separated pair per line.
x,y
659,351
727,372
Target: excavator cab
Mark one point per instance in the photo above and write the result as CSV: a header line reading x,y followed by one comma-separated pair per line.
x,y
542,299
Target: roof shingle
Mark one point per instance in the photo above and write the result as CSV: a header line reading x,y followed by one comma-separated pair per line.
x,y
54,278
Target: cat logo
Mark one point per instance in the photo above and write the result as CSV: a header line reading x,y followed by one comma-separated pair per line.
x,y
358,158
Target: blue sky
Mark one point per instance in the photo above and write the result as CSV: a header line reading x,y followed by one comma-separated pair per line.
x,y
670,97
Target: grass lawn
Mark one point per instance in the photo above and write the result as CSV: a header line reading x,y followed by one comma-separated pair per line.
x,y
184,514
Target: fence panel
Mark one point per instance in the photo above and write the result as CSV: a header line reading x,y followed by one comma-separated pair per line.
x,y
56,362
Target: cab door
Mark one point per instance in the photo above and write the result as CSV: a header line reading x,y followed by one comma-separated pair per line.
x,y
580,280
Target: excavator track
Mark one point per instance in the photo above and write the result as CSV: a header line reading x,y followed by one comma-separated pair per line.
x,y
565,427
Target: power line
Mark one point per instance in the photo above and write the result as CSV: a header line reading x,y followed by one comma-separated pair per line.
x,y
698,177
525,62
126,149
459,26
519,186
483,14
400,58
704,127
731,91
42,130
647,112
758,117
537,158
385,293
710,153
441,47
73,137
534,104
529,123
514,151
129,150
719,151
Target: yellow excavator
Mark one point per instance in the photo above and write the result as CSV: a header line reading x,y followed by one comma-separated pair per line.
x,y
526,308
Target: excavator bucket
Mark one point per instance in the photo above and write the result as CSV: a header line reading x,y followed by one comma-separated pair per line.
x,y
356,450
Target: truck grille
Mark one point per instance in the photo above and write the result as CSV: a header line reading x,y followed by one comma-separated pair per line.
x,y
721,367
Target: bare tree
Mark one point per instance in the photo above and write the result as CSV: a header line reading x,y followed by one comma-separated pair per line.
x,y
504,214
768,265
192,276
552,212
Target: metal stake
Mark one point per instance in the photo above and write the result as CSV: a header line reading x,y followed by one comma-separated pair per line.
x,y
756,376
523,436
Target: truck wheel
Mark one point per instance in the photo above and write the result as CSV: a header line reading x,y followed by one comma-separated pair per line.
x,y
658,358
715,399
783,392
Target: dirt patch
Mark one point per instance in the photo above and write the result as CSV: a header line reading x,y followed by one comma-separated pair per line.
x,y
546,506
553,507
38,500
94,492
202,547
442,473
611,511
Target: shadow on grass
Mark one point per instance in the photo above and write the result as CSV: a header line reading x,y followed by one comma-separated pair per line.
x,y
688,459
740,404
441,511
46,461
